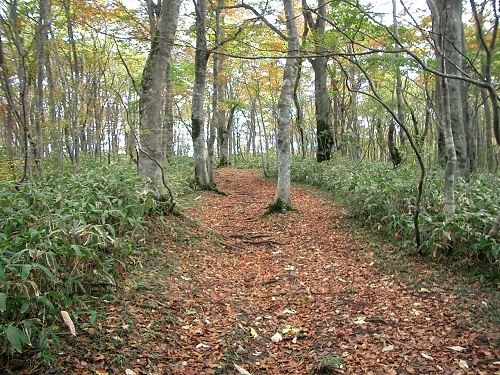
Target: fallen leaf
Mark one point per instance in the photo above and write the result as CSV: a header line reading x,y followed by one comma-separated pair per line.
x,y
253,332
68,322
426,356
201,345
241,370
388,348
457,348
129,372
277,337
360,320
463,364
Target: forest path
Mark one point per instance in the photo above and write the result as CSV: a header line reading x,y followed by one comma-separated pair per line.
x,y
302,274
208,295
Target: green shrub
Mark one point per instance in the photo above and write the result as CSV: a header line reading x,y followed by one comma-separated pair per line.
x,y
59,241
384,199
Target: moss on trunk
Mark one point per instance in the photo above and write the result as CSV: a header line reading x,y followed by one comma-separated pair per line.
x,y
277,207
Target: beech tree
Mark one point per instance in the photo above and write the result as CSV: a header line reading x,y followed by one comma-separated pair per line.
x,y
319,62
152,88
448,41
197,112
282,199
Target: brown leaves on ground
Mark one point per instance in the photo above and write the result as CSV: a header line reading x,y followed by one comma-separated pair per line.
x,y
293,293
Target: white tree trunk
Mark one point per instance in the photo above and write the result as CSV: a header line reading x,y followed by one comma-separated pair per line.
x,y
282,196
450,172
152,88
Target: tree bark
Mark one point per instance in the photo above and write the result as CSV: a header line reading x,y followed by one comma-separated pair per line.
x,y
214,123
282,199
152,87
197,110
18,106
393,150
445,115
168,119
40,41
448,28
324,134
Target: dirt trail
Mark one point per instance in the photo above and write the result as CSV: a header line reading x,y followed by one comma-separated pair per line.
x,y
301,279
302,273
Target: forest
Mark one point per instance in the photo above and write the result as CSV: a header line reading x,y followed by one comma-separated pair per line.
x,y
265,187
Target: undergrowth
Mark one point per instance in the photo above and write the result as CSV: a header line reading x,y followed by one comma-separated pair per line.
x,y
62,239
383,198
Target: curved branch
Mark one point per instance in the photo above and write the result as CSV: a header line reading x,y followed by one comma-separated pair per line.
x,y
374,95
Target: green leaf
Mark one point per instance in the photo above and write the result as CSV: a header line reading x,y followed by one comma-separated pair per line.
x,y
92,316
46,302
25,306
26,271
3,302
16,337
45,270
77,251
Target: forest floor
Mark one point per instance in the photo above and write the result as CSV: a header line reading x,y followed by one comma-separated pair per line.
x,y
226,291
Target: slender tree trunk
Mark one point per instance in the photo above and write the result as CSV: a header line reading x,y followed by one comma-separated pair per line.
x,y
40,41
490,159
356,136
300,113
197,112
324,134
72,132
152,88
393,150
282,199
222,129
18,106
168,119
215,96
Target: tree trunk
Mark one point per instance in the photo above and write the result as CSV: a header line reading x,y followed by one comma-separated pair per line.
x,y
391,142
282,198
490,159
356,136
215,95
393,150
447,23
197,112
150,104
168,119
72,133
445,113
222,129
18,106
40,40
300,115
324,134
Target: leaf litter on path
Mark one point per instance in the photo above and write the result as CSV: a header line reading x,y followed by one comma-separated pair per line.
x,y
236,281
